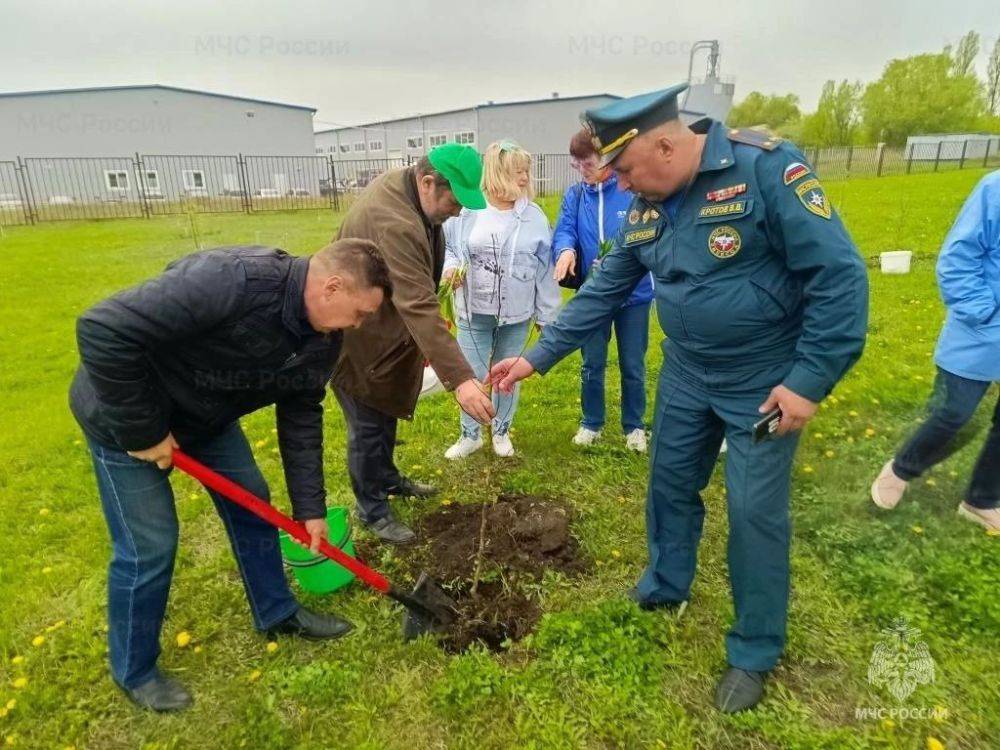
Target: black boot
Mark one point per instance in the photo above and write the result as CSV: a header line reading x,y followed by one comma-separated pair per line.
x,y
390,530
647,606
739,689
160,694
313,626
409,488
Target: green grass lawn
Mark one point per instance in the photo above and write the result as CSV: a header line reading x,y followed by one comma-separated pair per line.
x,y
598,673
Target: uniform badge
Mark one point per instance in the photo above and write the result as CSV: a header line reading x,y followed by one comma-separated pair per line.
x,y
654,214
811,196
645,216
794,171
723,209
633,216
724,194
724,242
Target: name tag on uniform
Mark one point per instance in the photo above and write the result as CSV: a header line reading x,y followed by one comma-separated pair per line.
x,y
639,236
719,211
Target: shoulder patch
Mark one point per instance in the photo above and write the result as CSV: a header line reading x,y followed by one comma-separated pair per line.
x,y
752,137
794,171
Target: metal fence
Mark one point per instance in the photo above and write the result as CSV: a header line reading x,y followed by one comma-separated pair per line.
x,y
36,190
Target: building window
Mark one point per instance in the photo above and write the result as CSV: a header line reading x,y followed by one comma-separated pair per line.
x,y
117,181
359,146
437,140
151,180
465,136
415,141
374,145
194,179
319,150
345,148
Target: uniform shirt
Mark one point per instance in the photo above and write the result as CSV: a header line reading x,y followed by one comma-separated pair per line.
x,y
968,272
755,270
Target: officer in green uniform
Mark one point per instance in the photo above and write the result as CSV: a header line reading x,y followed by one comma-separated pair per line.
x,y
764,301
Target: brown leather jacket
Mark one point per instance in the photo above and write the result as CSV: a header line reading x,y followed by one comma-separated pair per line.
x,y
381,363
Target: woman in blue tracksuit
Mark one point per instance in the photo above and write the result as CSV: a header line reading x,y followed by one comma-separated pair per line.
x,y
967,359
592,211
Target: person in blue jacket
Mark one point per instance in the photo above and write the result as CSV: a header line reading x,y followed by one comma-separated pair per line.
x,y
967,359
763,298
592,211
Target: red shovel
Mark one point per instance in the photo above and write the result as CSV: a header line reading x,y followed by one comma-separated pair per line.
x,y
428,607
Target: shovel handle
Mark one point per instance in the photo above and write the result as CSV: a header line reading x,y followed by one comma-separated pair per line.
x,y
247,500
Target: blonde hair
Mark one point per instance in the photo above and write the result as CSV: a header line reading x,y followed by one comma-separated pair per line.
x,y
501,162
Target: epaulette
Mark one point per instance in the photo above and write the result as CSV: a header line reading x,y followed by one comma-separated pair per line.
x,y
752,137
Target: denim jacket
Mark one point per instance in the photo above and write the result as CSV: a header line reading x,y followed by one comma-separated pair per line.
x,y
526,289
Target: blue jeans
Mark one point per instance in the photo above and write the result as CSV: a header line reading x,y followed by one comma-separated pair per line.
x,y
138,505
631,325
478,338
951,406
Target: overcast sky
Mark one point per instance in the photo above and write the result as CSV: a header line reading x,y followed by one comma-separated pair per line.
x,y
364,60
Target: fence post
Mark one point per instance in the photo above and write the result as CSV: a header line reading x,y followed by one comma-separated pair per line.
x,y
961,162
28,197
986,156
850,156
140,173
937,156
334,194
881,158
909,158
816,159
241,169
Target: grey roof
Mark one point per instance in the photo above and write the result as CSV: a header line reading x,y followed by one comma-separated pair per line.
x,y
153,86
466,109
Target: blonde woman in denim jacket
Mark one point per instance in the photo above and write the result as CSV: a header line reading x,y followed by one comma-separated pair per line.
x,y
506,251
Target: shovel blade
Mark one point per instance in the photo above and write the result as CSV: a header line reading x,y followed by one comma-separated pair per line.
x,y
429,610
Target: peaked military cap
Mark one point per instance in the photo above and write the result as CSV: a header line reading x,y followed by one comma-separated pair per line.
x,y
614,125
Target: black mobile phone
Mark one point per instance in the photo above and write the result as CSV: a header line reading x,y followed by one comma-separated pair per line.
x,y
767,426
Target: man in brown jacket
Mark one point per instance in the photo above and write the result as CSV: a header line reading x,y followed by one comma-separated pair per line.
x,y
380,371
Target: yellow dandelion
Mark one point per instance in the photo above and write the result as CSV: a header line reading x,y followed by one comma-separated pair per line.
x,y
953,474
615,553
193,496
818,435
933,743
850,439
17,660
869,432
46,570
888,724
439,472
183,639
807,469
11,739
272,647
11,704
38,640
3,712
852,413
940,714
44,512
931,483
829,454
197,649
260,443
254,676
917,529
876,402
20,682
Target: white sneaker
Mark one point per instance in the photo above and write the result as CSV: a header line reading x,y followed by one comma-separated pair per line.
x,y
987,517
888,489
584,436
502,445
465,447
636,440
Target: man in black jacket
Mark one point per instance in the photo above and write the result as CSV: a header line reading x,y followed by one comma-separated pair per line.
x,y
175,362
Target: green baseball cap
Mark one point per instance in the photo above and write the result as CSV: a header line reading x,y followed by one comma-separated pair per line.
x,y
463,168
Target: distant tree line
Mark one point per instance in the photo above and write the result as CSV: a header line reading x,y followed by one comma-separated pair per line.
x,y
929,93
